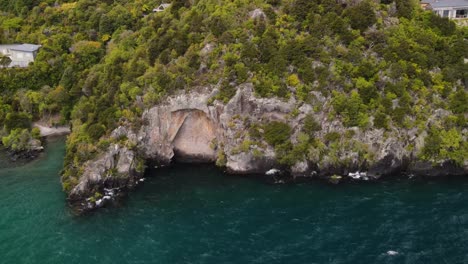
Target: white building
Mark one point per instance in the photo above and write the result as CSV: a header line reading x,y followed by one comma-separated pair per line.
x,y
20,54
453,9
161,8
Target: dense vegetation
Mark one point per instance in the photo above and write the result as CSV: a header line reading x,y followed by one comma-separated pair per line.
x,y
384,64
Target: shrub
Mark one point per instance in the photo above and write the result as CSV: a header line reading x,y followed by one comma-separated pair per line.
x,y
218,25
257,153
366,89
230,59
226,91
310,125
442,145
221,161
459,101
254,131
405,8
332,137
381,119
95,131
270,85
17,140
293,80
17,120
353,110
241,72
284,153
36,133
277,133
361,16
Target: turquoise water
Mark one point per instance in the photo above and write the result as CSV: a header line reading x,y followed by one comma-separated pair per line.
x,y
195,214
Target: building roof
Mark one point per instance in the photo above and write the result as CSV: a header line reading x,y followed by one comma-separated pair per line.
x,y
22,47
161,7
446,3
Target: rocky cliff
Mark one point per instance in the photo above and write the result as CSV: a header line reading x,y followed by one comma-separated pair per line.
x,y
191,127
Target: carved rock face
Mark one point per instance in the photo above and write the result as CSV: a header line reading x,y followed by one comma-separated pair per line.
x,y
194,137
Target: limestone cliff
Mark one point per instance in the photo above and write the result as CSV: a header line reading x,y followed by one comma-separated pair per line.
x,y
189,127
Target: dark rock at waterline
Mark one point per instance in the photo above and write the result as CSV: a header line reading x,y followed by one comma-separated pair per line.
x,y
23,156
304,170
387,166
428,169
100,194
33,149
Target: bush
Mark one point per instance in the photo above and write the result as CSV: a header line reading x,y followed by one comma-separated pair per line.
x,y
270,85
361,16
218,25
367,90
381,119
254,131
284,153
226,92
405,8
95,131
221,160
36,133
353,110
17,120
17,140
332,137
310,125
293,80
230,59
277,133
459,102
241,72
442,145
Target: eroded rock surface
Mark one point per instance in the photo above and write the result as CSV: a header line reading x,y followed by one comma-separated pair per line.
x,y
188,127
195,137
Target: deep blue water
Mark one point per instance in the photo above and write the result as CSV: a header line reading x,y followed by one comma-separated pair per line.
x,y
196,214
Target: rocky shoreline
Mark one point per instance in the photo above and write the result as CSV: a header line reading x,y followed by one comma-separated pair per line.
x,y
111,191
48,131
36,146
23,156
190,127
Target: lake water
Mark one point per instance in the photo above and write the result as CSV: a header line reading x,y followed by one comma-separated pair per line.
x,y
196,214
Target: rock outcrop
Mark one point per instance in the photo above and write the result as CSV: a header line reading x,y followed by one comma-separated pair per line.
x,y
188,127
184,127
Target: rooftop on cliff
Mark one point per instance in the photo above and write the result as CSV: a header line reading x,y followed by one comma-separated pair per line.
x,y
20,55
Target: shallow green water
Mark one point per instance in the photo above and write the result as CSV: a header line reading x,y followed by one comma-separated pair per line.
x,y
195,214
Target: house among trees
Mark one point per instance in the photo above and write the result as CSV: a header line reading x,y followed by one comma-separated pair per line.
x,y
453,9
161,8
20,54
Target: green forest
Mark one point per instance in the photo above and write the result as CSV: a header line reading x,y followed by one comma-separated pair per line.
x,y
102,63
